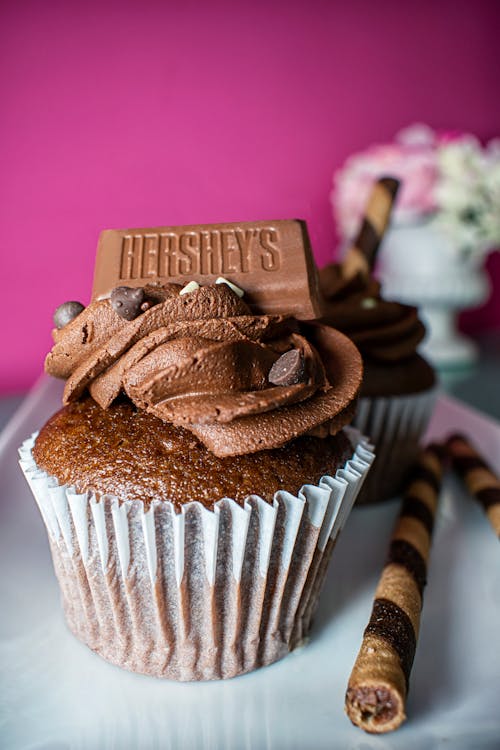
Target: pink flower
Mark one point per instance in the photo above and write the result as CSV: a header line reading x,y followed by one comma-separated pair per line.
x,y
411,158
449,136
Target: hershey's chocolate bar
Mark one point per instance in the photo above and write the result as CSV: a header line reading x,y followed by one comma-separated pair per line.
x,y
270,260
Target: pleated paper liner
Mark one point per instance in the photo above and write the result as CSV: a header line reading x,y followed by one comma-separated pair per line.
x,y
200,594
395,426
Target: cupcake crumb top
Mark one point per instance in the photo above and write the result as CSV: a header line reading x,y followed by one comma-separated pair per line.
x,y
136,456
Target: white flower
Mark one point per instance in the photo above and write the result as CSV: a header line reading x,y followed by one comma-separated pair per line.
x,y
468,193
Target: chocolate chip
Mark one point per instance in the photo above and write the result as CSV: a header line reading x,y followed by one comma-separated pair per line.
x,y
288,369
127,301
67,312
236,289
191,286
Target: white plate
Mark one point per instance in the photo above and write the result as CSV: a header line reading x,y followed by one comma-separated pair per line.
x,y
57,694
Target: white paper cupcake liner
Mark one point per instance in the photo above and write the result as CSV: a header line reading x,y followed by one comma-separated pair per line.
x,y
395,426
200,594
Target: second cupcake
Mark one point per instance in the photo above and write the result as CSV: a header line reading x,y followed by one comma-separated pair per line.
x,y
398,390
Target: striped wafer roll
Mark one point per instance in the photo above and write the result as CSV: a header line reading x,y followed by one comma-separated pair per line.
x,y
479,478
378,686
360,258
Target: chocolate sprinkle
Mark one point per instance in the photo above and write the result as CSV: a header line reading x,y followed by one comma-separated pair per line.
x,y
67,312
403,553
390,622
128,302
288,369
416,508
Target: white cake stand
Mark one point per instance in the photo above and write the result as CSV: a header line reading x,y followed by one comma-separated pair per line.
x,y
419,265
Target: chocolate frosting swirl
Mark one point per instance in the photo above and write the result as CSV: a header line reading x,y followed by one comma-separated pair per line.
x,y
383,331
201,360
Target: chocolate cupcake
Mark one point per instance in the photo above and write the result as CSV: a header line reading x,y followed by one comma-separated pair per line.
x,y
398,389
195,482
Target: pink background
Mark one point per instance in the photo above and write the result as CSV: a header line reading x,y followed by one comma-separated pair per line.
x,y
147,113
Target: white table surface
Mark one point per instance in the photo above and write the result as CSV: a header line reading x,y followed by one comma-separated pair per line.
x,y
55,694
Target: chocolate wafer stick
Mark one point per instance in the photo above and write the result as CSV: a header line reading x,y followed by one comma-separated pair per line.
x,y
378,686
360,258
480,480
